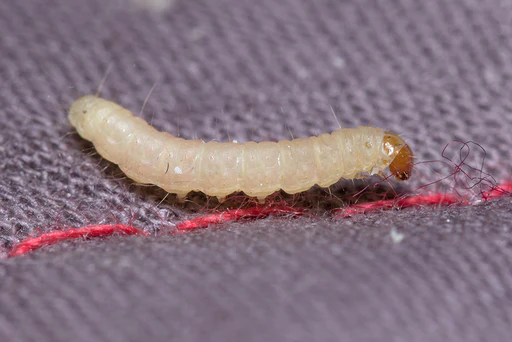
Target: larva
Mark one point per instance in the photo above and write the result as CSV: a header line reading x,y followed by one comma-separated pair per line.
x,y
219,169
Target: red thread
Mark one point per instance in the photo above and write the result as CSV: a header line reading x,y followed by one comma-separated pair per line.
x,y
415,201
438,199
236,215
257,212
498,191
51,238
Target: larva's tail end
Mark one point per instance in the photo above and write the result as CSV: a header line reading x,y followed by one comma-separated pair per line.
x,y
401,166
78,110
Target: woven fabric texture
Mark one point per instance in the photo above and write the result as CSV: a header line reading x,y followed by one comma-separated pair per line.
x,y
434,71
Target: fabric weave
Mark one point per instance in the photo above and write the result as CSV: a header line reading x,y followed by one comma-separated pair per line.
x,y
434,71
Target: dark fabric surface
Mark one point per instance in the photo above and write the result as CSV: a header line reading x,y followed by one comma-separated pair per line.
x,y
433,71
278,280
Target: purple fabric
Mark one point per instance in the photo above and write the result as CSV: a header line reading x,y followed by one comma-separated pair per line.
x,y
434,71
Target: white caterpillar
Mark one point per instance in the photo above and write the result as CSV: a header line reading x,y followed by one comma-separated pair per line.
x,y
219,169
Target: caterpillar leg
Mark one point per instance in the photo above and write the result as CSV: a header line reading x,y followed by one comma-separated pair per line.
x,y
181,197
361,175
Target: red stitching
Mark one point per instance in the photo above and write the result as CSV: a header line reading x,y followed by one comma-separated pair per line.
x,y
257,212
236,215
51,238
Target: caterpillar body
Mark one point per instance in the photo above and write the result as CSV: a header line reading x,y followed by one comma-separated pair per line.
x,y
219,169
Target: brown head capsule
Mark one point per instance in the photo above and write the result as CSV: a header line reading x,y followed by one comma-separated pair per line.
x,y
401,166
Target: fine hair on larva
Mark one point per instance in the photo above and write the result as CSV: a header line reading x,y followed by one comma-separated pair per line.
x,y
180,166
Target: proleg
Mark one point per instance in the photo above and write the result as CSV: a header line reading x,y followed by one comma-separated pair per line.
x,y
180,166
